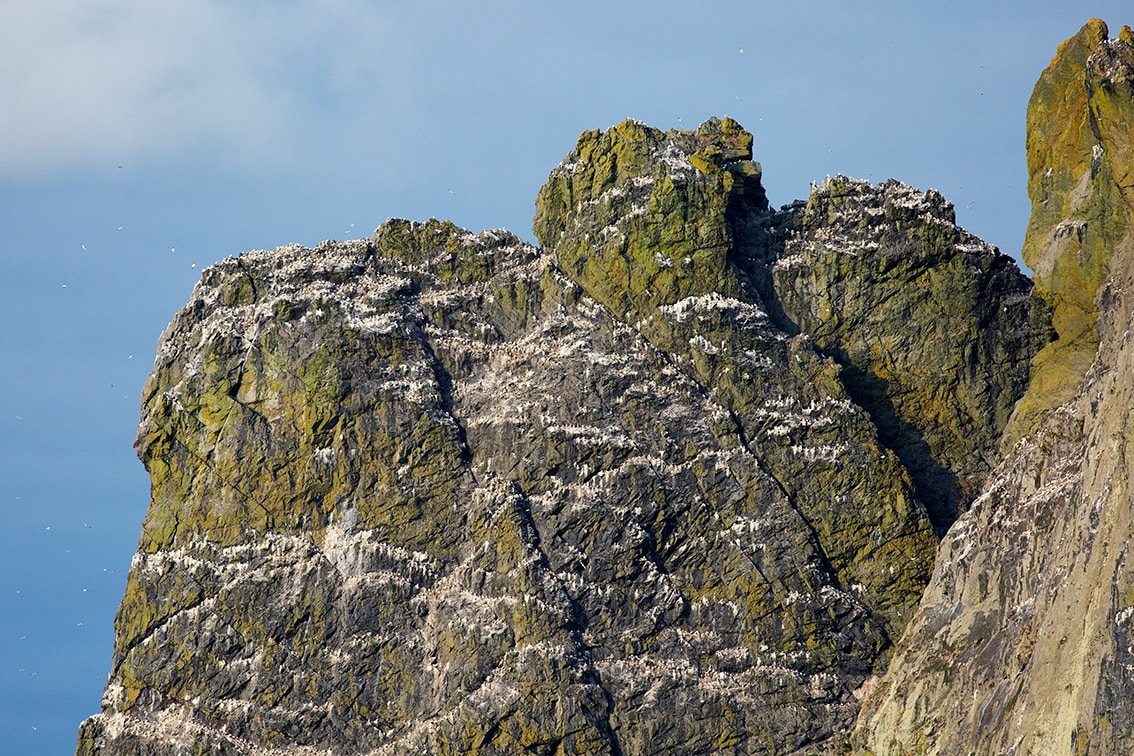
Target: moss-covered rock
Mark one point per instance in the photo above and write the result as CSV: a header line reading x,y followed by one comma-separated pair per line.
x,y
444,492
934,328
1079,179
1023,641
637,216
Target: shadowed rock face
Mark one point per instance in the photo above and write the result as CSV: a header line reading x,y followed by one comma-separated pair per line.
x,y
1023,641
934,327
643,490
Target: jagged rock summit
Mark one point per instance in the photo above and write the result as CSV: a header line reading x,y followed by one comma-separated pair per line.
x,y
672,482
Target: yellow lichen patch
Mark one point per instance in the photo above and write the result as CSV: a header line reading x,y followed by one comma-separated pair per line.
x,y
1079,165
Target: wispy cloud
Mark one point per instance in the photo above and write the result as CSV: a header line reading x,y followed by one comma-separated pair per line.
x,y
85,82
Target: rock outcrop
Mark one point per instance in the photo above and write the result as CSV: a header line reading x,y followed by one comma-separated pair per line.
x,y
1024,641
931,324
667,484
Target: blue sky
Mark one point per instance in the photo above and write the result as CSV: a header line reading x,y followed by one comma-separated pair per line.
x,y
141,140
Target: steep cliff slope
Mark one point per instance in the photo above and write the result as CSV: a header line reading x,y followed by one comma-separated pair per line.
x,y
1024,642
444,492
929,321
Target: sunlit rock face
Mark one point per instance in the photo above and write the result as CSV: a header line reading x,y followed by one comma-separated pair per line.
x,y
1023,642
666,484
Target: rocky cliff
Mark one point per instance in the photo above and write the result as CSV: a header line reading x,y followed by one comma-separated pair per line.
x,y
1024,641
672,482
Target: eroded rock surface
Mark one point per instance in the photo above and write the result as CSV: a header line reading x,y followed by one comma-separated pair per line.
x,y
1023,642
443,492
934,327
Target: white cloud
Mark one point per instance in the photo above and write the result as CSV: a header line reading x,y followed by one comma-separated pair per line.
x,y
85,82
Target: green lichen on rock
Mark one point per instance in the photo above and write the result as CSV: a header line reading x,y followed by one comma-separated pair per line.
x,y
1079,166
445,492
642,185
269,426
935,329
789,407
638,216
1023,640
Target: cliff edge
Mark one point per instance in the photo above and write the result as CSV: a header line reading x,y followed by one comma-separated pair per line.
x,y
1023,641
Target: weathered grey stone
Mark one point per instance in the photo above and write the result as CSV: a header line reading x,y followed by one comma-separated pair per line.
x,y
442,492
934,328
